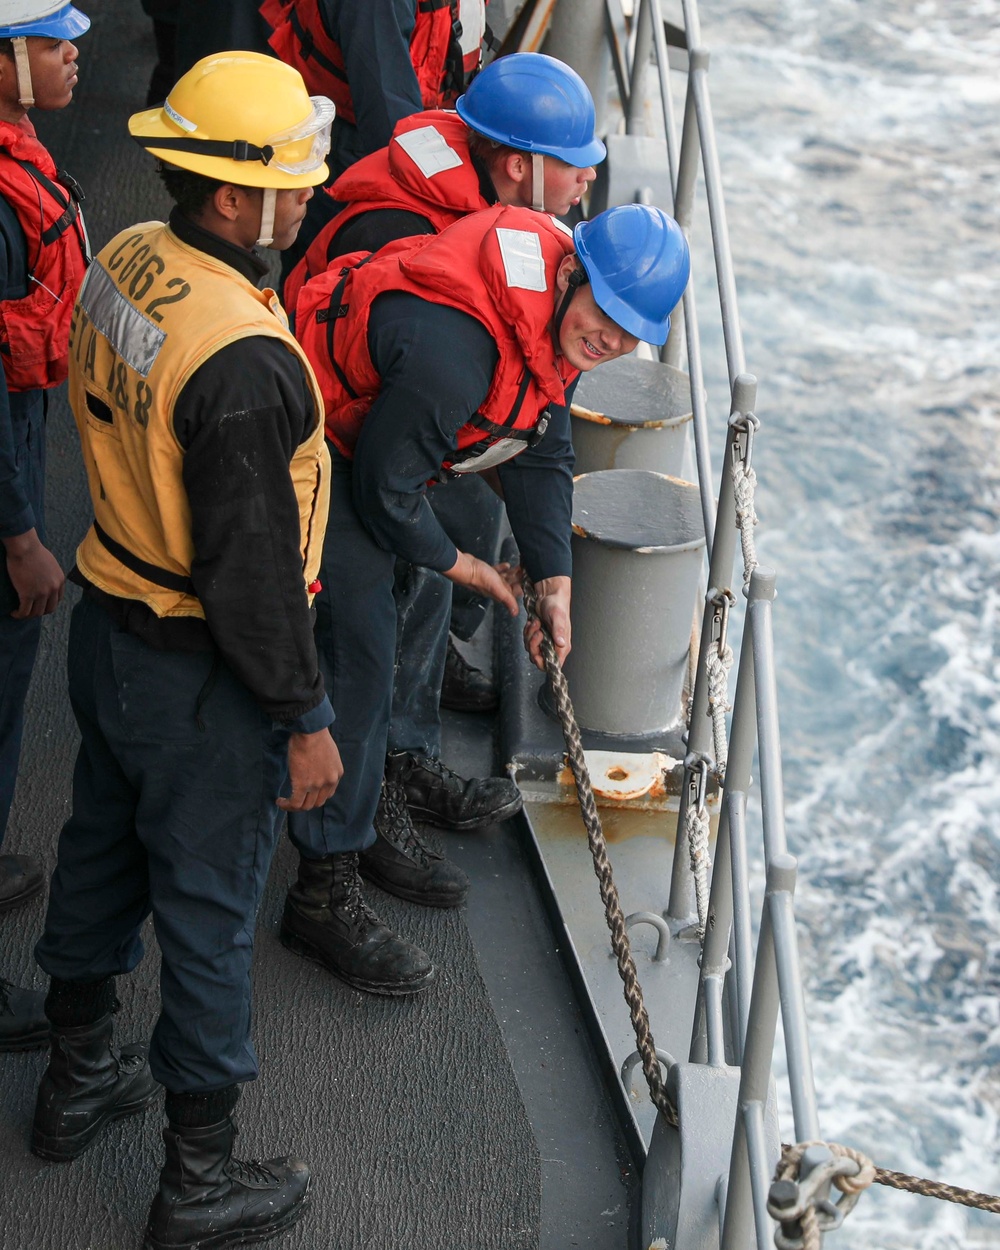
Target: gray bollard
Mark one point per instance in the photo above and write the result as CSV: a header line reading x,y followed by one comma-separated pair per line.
x,y
638,549
632,414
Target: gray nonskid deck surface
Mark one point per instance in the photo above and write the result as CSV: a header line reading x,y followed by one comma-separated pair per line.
x,y
408,1111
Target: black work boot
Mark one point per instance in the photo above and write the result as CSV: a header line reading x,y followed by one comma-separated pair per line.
x,y
208,1199
88,1083
400,861
327,919
23,1022
465,688
21,878
441,797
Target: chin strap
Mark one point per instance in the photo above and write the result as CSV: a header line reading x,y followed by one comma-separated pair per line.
x,y
577,279
538,182
23,68
266,237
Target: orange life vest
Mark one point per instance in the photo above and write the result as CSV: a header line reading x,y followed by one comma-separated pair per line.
x,y
426,169
444,57
34,331
498,266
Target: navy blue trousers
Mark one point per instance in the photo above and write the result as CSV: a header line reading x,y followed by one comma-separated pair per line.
x,y
356,642
19,639
173,814
428,606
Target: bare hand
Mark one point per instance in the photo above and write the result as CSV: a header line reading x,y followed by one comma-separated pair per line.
x,y
501,583
314,769
35,574
552,606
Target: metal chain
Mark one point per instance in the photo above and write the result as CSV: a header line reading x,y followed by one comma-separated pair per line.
x,y
602,867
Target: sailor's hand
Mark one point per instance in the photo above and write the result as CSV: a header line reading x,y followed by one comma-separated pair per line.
x,y
314,769
35,574
552,605
501,583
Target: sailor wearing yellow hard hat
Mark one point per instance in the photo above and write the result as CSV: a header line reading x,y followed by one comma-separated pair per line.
x,y
193,671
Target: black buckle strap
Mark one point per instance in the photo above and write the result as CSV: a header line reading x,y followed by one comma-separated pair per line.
x,y
67,198
236,150
332,313
309,49
504,430
151,572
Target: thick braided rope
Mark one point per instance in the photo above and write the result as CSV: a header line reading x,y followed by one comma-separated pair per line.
x,y
869,1174
602,867
717,668
697,830
744,486
938,1189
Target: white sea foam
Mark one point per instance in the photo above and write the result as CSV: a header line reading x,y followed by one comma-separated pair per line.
x,y
861,155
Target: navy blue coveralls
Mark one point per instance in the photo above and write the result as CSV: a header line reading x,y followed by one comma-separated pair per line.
x,y
22,486
436,365
185,723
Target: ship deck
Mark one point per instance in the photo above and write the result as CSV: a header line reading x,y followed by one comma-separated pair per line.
x,y
472,1116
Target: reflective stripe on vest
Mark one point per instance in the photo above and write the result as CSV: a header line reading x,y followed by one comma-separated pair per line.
x,y
151,311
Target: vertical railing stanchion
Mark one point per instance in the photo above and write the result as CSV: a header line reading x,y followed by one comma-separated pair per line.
x,y
755,1078
634,117
742,739
719,577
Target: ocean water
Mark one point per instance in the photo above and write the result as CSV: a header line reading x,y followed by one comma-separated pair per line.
x,y
860,147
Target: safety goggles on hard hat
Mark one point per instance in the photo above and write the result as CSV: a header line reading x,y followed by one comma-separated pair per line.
x,y
303,148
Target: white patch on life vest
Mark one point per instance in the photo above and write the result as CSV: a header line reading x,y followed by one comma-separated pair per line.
x,y
472,15
522,259
134,337
496,453
561,225
429,151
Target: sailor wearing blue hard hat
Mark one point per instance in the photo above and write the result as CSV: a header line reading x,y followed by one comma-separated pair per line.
x,y
43,252
534,105
446,356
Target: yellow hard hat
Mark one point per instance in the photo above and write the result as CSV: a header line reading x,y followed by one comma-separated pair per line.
x,y
241,117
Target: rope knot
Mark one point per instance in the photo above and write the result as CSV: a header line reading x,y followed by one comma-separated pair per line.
x,y
799,1195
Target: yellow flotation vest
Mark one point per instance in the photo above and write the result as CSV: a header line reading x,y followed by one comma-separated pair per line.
x,y
152,309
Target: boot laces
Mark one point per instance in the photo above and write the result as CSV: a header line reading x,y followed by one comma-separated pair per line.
x,y
251,1172
354,902
396,824
445,778
5,1007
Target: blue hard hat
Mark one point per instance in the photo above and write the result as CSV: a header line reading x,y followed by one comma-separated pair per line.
x,y
54,18
638,263
536,104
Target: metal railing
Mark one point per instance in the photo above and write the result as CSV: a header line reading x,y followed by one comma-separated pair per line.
x,y
739,990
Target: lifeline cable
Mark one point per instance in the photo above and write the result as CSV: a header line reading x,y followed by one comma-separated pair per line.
x,y
602,867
